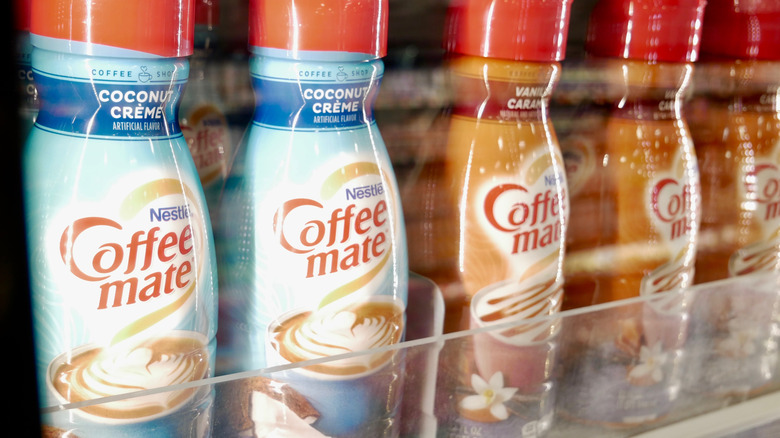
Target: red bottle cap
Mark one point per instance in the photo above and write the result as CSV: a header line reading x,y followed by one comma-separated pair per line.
x,y
742,29
648,30
207,13
320,25
155,27
521,30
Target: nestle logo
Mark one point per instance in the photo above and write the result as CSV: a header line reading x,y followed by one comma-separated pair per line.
x,y
165,214
365,191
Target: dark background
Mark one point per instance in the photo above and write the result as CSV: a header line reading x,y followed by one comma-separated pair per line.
x,y
20,405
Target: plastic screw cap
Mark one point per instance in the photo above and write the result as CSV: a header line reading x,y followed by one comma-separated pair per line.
x,y
355,26
522,30
207,13
157,27
742,29
648,30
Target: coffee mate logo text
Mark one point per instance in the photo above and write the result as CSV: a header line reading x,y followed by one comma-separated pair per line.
x,y
532,219
132,265
145,252
336,238
672,204
767,190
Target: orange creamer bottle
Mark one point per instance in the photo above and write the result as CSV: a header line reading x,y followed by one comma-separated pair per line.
x,y
636,199
501,193
655,186
635,207
735,121
494,200
508,184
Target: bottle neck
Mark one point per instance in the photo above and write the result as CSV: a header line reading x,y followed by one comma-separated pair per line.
x,y
740,85
502,90
111,98
315,95
645,90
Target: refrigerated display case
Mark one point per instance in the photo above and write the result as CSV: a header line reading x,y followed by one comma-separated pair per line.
x,y
720,383
722,380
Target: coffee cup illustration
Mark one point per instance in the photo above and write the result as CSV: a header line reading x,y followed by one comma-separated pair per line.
x,y
92,372
357,394
522,352
144,76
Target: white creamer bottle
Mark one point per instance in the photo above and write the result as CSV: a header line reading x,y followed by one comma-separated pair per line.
x,y
122,262
311,237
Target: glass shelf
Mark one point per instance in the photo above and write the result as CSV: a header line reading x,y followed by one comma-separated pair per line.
x,y
601,374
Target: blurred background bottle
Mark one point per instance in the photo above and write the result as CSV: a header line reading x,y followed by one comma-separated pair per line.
x,y
202,113
735,122
28,108
636,206
635,209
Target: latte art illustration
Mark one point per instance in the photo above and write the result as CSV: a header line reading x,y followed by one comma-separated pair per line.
x,y
102,372
512,301
361,326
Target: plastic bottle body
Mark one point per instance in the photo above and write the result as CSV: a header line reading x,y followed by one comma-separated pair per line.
x,y
735,122
503,194
123,268
636,198
638,195
312,236
736,129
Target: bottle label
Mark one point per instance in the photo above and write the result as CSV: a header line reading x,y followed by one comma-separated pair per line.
x,y
336,237
326,97
506,100
666,108
24,73
135,101
139,262
674,198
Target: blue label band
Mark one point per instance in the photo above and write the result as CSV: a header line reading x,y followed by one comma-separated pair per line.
x,y
314,105
87,108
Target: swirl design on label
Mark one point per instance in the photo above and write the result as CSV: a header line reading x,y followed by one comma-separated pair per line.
x,y
346,234
95,372
363,326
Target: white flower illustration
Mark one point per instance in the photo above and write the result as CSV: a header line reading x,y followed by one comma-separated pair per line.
x,y
740,341
490,395
651,362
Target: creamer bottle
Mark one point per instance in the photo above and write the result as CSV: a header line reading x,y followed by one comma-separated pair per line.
x,y
504,189
201,112
735,122
28,96
122,264
642,202
312,235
